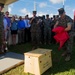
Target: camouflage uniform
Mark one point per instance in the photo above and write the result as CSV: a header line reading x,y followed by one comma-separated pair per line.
x,y
64,22
1,30
35,32
47,31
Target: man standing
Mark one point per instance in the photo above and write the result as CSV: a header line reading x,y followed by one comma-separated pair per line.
x,y
35,30
8,24
21,28
27,29
66,22
1,29
47,30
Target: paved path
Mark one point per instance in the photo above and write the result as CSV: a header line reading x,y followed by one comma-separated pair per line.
x,y
10,60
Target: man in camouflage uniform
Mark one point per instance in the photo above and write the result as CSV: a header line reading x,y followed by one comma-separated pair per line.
x,y
66,22
35,30
47,30
1,29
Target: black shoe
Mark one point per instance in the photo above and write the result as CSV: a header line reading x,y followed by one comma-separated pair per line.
x,y
68,57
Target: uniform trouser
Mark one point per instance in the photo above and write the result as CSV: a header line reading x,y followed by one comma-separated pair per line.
x,y
7,35
42,35
47,35
69,44
35,36
1,40
20,36
27,35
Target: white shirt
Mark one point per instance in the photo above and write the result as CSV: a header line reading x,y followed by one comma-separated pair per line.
x,y
27,25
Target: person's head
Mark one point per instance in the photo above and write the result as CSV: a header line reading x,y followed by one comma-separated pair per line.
x,y
7,13
61,12
43,17
13,18
20,18
57,16
34,13
47,16
26,17
54,16
16,17
1,6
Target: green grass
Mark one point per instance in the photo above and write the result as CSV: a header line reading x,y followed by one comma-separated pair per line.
x,y
59,66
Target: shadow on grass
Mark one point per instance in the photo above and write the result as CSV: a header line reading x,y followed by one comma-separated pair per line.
x,y
59,66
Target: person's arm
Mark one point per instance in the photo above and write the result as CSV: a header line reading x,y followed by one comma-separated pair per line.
x,y
56,24
68,28
5,25
31,20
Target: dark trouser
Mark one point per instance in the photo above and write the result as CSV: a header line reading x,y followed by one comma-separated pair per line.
x,y
47,35
52,38
21,36
1,41
42,35
27,35
35,39
68,45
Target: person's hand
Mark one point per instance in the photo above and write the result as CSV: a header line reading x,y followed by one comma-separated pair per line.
x,y
8,28
5,30
54,26
33,18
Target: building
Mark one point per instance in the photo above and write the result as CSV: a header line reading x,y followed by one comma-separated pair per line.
x,y
7,2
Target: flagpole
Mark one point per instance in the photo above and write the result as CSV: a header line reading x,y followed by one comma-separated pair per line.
x,y
63,3
34,6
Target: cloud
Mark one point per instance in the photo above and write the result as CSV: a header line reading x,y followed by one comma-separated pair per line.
x,y
24,12
68,8
11,5
56,1
10,8
51,15
41,13
43,4
73,10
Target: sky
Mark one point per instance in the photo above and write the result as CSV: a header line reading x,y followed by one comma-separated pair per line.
x,y
43,7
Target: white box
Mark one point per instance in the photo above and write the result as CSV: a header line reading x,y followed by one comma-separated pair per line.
x,y
37,61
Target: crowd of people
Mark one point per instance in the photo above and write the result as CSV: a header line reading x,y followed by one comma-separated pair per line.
x,y
37,30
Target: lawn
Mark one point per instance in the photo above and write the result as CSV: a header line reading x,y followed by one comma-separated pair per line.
x,y
60,67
